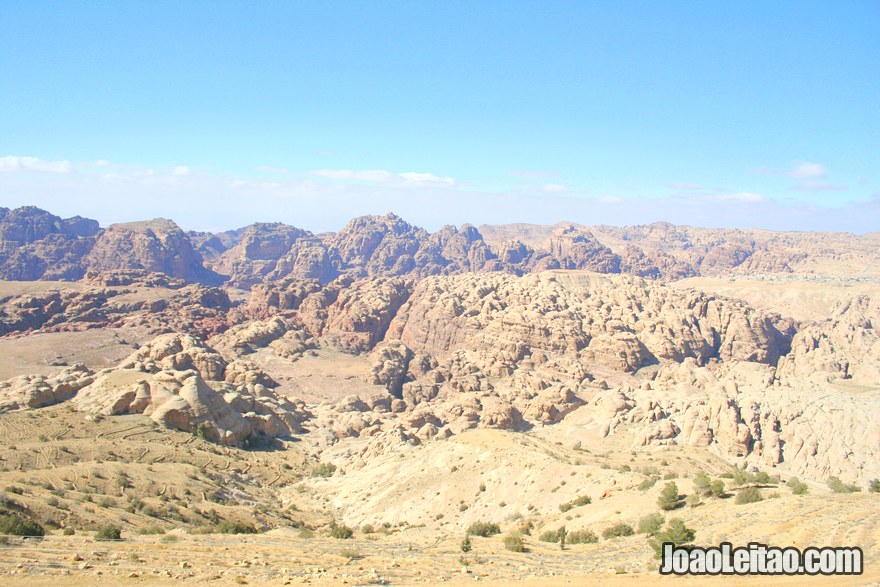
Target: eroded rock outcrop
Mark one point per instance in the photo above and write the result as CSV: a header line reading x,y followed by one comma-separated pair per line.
x,y
39,391
845,347
154,301
622,323
743,413
183,384
157,245
35,244
178,352
183,400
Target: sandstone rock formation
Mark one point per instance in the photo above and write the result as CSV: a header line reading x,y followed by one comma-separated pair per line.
x,y
38,391
183,384
35,244
621,323
845,347
673,252
150,300
741,411
29,224
157,246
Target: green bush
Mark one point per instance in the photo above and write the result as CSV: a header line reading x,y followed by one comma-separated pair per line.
x,y
576,502
669,499
466,544
230,527
483,529
109,532
16,525
514,542
716,488
324,470
797,486
748,495
549,536
617,530
582,537
151,530
651,523
526,527
762,478
838,486
648,483
340,532
874,486
702,484
675,532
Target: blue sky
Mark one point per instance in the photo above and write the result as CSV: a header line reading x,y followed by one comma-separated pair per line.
x,y
218,114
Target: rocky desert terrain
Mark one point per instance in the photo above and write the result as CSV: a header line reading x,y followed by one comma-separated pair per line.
x,y
386,405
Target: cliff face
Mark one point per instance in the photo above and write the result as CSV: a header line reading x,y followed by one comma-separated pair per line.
x,y
30,224
35,244
158,246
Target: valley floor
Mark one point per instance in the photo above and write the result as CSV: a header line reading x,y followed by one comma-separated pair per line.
x,y
282,558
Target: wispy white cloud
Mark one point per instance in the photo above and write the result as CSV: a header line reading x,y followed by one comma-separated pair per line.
x,y
556,188
426,178
535,174
385,177
376,175
112,178
745,197
17,163
685,186
806,170
800,170
271,169
816,185
808,176
180,171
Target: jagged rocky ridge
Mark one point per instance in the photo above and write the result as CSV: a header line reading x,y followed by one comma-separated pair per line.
x,y
35,244
459,334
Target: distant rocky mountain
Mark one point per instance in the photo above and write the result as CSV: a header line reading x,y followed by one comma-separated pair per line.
x,y
37,245
669,251
157,246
